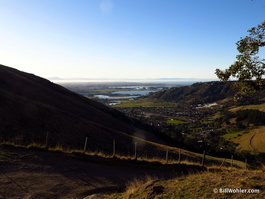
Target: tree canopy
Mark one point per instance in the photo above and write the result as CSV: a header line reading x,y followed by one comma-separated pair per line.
x,y
249,67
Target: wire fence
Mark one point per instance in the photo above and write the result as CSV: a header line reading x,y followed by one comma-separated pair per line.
x,y
136,151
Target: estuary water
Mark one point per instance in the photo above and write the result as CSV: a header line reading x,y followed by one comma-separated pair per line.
x,y
125,94
115,97
136,92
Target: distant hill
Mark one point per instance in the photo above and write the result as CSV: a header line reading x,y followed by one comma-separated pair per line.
x,y
205,92
208,92
31,106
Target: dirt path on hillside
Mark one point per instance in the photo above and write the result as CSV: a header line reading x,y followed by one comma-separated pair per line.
x,y
40,174
250,141
258,142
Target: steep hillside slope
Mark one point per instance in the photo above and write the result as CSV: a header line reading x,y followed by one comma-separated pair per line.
x,y
31,106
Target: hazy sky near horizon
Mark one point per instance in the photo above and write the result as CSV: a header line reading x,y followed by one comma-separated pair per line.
x,y
124,38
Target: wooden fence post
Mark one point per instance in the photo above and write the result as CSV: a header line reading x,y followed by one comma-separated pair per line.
x,y
135,151
114,148
222,163
85,145
47,137
179,155
167,156
203,158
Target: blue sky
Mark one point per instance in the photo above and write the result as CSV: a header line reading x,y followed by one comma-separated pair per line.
x,y
124,38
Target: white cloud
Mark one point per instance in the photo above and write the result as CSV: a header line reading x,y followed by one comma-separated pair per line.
x,y
106,6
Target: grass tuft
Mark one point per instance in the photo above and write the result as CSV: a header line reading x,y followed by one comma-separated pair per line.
x,y
137,186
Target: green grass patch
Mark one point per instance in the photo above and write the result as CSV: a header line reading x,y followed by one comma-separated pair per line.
x,y
229,136
143,102
176,122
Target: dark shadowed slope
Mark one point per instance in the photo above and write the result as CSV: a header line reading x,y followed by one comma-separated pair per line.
x,y
31,106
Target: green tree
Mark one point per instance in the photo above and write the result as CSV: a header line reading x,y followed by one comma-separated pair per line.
x,y
249,67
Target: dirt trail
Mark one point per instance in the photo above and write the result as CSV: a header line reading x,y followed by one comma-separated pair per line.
x,y
250,141
31,174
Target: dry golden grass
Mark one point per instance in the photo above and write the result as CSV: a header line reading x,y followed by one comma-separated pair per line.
x,y
252,141
134,187
243,141
260,107
258,142
203,185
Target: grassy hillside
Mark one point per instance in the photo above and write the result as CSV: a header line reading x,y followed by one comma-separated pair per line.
x,y
260,107
203,185
252,141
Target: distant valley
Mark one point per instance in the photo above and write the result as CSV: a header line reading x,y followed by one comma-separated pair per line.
x,y
187,116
